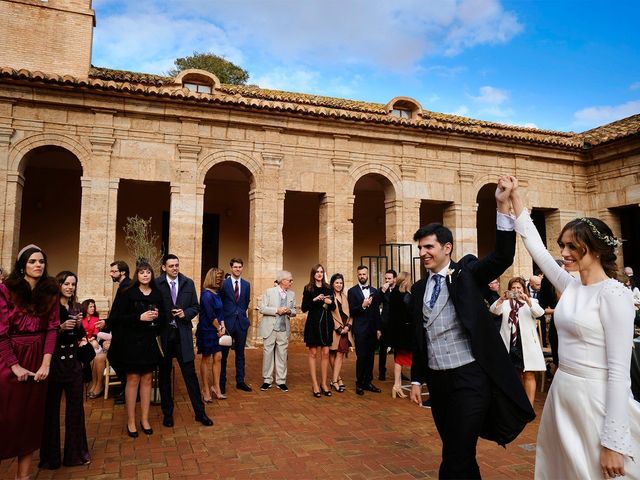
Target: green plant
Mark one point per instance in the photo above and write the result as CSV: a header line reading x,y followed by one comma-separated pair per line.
x,y
141,240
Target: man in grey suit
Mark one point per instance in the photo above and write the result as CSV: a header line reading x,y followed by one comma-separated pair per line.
x,y
278,305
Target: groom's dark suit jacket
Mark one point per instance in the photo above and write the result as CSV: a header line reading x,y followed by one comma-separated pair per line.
x,y
510,408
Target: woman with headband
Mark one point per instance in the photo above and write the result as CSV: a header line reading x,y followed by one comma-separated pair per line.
x,y
29,319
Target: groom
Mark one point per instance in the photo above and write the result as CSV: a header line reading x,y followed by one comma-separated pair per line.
x,y
473,387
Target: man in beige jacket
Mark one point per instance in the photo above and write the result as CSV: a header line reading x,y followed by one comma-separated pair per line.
x,y
277,306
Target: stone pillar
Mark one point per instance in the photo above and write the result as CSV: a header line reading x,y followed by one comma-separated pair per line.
x,y
98,212
461,220
266,218
327,243
393,221
199,214
12,209
6,235
340,251
184,221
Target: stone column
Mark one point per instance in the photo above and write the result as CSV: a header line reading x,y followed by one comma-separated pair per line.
x,y
327,241
199,214
6,235
184,221
12,209
98,212
266,217
393,221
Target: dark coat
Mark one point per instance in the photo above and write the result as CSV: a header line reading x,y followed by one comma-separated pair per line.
x,y
365,321
510,410
134,347
186,300
235,313
401,330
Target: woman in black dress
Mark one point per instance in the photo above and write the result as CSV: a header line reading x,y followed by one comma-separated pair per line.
x,y
66,376
136,320
318,329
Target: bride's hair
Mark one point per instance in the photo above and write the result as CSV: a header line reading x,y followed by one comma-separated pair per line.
x,y
593,235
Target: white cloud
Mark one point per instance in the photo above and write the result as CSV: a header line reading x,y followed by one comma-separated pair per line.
x,y
634,86
596,116
462,110
386,35
490,96
307,81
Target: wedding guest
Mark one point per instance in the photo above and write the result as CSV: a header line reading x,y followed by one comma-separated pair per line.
x,y
277,307
210,328
136,320
318,329
29,320
92,325
491,294
342,336
401,330
590,426
519,334
66,377
390,278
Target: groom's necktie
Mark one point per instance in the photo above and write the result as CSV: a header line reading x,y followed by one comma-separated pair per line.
x,y
436,290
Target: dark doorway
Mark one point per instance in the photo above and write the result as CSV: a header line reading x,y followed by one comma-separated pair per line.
x,y
210,242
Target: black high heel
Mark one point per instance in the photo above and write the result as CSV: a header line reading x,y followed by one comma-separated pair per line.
x,y
133,434
326,393
147,431
337,387
316,394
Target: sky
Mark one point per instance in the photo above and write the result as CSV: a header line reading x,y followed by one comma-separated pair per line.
x,y
567,65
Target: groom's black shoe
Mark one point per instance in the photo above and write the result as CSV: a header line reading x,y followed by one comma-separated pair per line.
x,y
372,388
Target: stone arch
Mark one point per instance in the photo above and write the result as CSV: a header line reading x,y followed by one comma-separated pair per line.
x,y
20,150
383,170
247,161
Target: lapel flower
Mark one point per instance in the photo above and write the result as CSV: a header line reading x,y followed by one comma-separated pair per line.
x,y
450,272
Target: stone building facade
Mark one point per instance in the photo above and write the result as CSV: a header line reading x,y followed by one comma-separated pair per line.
x,y
283,180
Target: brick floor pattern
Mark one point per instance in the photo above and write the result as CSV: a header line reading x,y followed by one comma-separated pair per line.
x,y
278,435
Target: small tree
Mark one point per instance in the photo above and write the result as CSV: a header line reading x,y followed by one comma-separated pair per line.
x,y
226,71
141,240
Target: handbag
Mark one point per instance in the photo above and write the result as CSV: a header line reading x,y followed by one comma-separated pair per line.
x,y
225,341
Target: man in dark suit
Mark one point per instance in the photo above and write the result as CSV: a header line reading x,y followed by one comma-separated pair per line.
x,y
235,294
364,305
181,306
534,285
119,273
473,387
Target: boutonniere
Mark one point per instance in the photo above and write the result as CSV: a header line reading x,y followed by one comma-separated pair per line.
x,y
450,272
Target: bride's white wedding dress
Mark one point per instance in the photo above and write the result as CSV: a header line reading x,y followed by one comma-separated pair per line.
x,y
589,404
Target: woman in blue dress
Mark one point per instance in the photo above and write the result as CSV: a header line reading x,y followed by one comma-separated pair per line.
x,y
210,328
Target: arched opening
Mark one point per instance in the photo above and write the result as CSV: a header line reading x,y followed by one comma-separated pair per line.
x,y
51,200
146,199
301,234
372,194
486,219
225,222
630,232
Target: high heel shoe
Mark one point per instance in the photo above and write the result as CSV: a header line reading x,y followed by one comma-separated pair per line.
x,y
133,434
397,391
326,393
147,431
316,394
337,387
219,396
206,400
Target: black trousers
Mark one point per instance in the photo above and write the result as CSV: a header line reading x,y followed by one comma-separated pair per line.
x,y
76,450
460,400
240,340
188,370
382,354
365,356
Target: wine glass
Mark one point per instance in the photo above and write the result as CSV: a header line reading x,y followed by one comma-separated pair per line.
x,y
151,307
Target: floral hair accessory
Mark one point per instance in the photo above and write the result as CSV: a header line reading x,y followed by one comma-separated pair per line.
x,y
608,239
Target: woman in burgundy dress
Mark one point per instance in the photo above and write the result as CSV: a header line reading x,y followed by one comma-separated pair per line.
x,y
29,319
66,376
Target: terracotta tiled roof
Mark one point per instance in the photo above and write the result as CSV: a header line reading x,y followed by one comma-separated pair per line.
x,y
258,98
612,131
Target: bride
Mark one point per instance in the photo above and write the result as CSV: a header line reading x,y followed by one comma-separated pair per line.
x,y
590,426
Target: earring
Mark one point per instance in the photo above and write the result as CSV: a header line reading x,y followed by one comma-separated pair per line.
x,y
21,271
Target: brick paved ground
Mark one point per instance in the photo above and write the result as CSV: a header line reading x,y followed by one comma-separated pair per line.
x,y
273,435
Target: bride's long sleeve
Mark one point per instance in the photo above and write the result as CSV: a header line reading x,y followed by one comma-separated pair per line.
x,y
559,277
617,314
